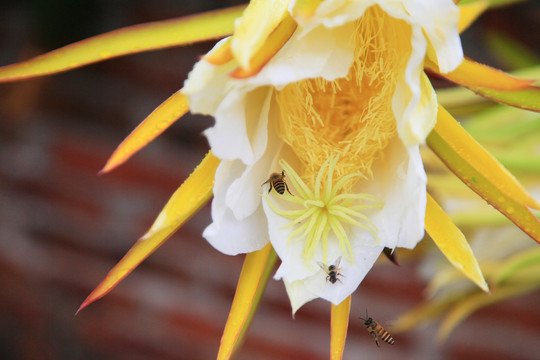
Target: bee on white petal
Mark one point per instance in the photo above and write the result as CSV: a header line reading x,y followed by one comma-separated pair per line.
x,y
332,271
277,182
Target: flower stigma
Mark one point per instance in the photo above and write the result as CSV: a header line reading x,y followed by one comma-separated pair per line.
x,y
325,209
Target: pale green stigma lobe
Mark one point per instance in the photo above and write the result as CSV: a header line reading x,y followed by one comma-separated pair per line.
x,y
324,209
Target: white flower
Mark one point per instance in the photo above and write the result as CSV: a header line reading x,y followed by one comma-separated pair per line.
x,y
346,95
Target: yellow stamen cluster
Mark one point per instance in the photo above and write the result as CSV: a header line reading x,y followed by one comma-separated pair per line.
x,y
325,209
349,117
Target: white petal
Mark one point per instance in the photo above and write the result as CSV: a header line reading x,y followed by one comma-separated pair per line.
x,y
308,279
415,129
206,85
400,182
334,13
353,274
241,125
326,53
245,192
439,20
316,285
298,294
226,233
233,237
408,91
290,252
226,173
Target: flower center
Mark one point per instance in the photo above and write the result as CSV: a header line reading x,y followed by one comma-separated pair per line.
x,y
350,117
323,210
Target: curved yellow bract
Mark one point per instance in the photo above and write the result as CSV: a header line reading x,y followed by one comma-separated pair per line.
x,y
480,159
471,73
251,284
158,121
182,205
451,241
129,40
258,22
339,323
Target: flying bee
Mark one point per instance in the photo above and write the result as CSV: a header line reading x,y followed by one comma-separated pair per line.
x,y
377,331
277,181
332,271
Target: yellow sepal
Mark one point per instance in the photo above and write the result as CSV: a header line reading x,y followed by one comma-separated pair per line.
x,y
273,43
339,323
129,40
471,73
255,273
184,203
251,31
158,121
220,55
480,159
484,186
452,243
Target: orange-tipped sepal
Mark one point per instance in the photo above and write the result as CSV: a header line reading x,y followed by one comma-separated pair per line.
x,y
185,202
158,121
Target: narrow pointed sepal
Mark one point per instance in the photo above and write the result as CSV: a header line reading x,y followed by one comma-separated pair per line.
x,y
253,279
253,31
480,159
158,121
472,74
220,55
526,99
339,323
129,40
451,241
482,173
273,44
185,202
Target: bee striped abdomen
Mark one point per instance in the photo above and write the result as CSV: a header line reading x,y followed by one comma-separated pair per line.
x,y
385,336
279,186
277,183
377,331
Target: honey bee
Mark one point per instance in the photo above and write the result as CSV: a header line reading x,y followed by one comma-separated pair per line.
x,y
332,271
377,331
277,181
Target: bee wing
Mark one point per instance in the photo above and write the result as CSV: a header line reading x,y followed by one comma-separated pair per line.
x,y
322,266
338,261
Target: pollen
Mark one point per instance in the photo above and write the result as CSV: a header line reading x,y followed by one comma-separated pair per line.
x,y
350,117
324,210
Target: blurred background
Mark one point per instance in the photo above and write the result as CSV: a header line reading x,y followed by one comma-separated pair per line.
x,y
62,227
